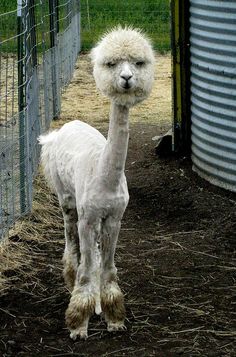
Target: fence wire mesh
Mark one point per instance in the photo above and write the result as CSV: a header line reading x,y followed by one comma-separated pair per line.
x,y
39,44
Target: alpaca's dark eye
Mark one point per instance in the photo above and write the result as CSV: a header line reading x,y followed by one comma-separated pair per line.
x,y
140,63
111,64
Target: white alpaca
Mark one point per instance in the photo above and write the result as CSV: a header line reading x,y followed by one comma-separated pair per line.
x,y
87,173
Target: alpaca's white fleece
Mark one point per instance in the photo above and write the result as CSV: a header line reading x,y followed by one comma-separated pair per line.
x,y
69,156
124,46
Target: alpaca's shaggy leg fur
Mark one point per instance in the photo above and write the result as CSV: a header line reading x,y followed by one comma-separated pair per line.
x,y
85,299
69,271
70,257
112,299
81,307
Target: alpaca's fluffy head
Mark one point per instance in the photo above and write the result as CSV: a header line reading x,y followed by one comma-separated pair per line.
x,y
124,66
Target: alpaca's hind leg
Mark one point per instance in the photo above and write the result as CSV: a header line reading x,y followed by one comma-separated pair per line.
x,y
70,257
85,299
112,299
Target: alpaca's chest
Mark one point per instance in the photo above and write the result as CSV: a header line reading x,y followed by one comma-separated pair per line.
x,y
101,203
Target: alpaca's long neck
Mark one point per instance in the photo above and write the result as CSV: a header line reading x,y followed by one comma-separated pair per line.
x,y
113,158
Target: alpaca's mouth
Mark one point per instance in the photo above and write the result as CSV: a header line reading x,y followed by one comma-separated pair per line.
x,y
127,86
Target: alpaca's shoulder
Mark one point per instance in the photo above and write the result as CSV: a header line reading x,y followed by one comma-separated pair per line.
x,y
78,137
79,127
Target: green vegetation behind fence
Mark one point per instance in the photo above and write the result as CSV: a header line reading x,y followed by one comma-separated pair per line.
x,y
97,16
153,16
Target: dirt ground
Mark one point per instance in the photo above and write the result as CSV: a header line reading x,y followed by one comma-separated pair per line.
x,y
175,256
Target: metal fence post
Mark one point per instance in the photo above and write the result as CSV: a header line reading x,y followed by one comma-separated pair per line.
x,y
181,75
33,32
21,103
53,21
57,15
32,98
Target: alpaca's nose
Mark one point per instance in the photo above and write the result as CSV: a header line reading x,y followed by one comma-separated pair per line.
x,y
126,76
126,72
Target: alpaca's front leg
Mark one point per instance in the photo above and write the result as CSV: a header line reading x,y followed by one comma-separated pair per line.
x,y
85,297
70,257
112,299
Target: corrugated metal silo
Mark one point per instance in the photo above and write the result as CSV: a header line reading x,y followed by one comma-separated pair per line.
x,y
213,90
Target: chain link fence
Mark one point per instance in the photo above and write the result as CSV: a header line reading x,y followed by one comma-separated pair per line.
x,y
39,44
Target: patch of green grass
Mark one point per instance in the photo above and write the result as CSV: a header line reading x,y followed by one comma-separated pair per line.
x,y
8,26
97,16
153,16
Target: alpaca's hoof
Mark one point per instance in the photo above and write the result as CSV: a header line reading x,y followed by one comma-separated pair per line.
x,y
81,333
81,307
112,301
116,326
